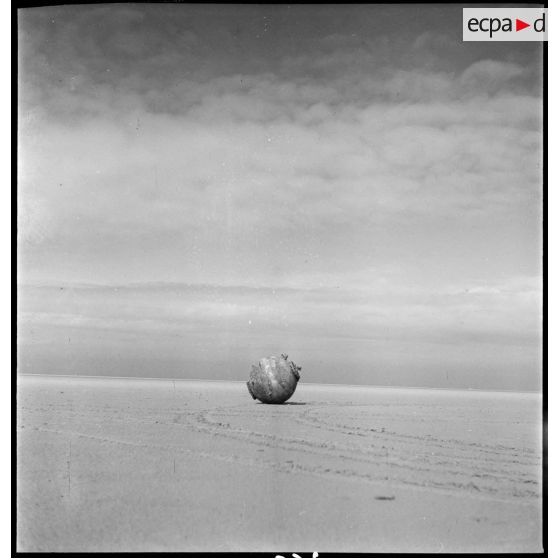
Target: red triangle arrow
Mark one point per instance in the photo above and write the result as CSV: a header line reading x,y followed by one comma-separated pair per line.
x,y
519,25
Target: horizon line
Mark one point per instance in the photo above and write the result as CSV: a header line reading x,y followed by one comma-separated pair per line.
x,y
309,383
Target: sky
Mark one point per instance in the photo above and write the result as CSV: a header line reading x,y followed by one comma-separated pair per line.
x,y
200,186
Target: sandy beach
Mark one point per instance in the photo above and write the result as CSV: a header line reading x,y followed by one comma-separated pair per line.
x,y
162,465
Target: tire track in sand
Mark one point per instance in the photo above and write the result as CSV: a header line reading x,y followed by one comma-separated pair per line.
x,y
378,463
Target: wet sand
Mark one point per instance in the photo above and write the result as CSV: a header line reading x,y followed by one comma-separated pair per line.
x,y
163,465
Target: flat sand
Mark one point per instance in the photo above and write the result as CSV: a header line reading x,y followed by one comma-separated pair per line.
x,y
163,465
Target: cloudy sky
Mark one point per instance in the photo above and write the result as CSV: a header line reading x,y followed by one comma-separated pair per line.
x,y
203,185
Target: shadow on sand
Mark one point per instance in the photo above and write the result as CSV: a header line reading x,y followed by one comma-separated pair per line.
x,y
285,403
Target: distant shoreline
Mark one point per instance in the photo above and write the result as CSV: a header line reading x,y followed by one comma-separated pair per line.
x,y
372,386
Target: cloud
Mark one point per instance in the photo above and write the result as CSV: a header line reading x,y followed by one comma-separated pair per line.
x,y
464,329
490,75
273,154
376,185
373,304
